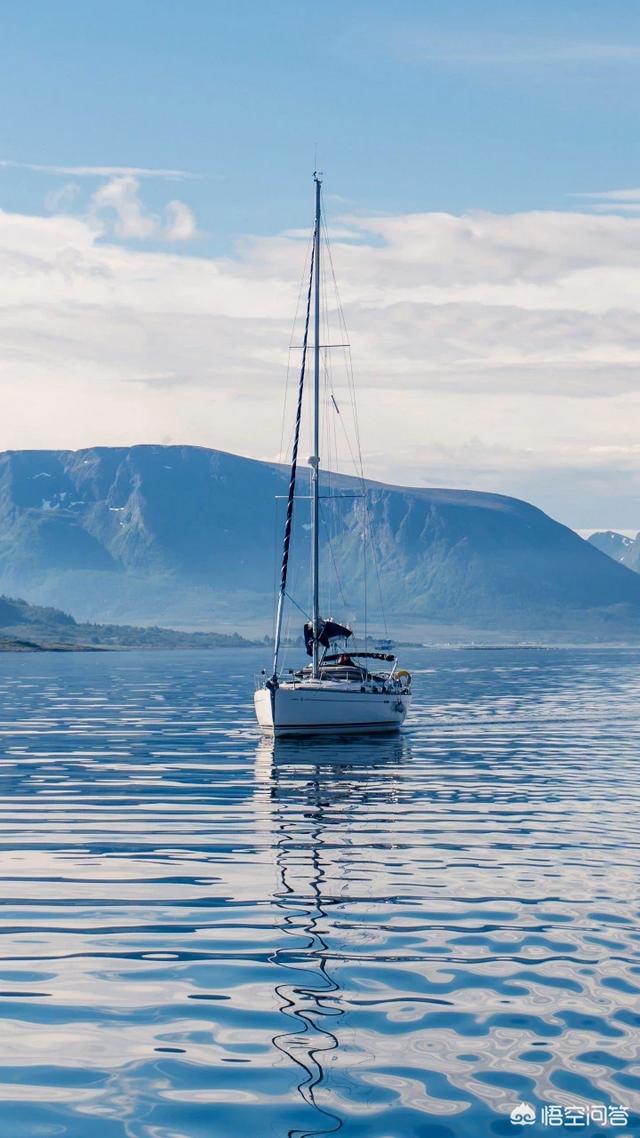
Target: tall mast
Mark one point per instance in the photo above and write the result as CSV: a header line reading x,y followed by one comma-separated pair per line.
x,y
314,461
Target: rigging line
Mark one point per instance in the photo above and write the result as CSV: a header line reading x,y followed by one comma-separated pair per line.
x,y
358,463
348,357
349,447
275,566
343,328
299,607
326,439
332,523
335,515
351,387
333,530
364,571
337,573
357,466
374,553
331,517
291,339
292,480
368,542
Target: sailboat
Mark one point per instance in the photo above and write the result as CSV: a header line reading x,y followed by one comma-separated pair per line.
x,y
341,690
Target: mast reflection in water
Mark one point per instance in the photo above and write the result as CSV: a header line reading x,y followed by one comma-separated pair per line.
x,y
314,788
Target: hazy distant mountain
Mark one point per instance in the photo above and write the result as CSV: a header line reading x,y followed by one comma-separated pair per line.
x,y
615,545
625,550
189,535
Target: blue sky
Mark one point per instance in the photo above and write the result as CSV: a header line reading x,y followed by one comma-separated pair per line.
x,y
155,167
413,106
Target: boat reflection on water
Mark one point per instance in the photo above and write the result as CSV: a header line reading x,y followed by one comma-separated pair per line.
x,y
322,795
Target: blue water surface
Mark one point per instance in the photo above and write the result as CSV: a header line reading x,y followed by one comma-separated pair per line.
x,y
203,935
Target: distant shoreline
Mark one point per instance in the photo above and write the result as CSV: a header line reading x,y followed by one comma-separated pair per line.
x,y
24,646
18,645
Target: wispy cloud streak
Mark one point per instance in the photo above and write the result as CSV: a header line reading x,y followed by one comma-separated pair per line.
x,y
510,51
612,201
96,171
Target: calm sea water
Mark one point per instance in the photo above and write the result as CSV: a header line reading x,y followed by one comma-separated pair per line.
x,y
204,936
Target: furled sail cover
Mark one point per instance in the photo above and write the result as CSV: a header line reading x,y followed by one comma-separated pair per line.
x,y
327,632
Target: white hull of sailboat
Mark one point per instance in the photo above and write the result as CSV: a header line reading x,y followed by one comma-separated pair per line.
x,y
296,709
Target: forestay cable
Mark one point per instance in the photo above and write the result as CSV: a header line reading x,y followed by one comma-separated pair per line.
x,y
292,481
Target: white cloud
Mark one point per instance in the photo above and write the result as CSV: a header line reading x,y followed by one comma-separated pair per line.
x,y
180,222
500,352
119,201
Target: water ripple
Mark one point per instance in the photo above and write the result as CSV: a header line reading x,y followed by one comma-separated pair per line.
x,y
200,931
